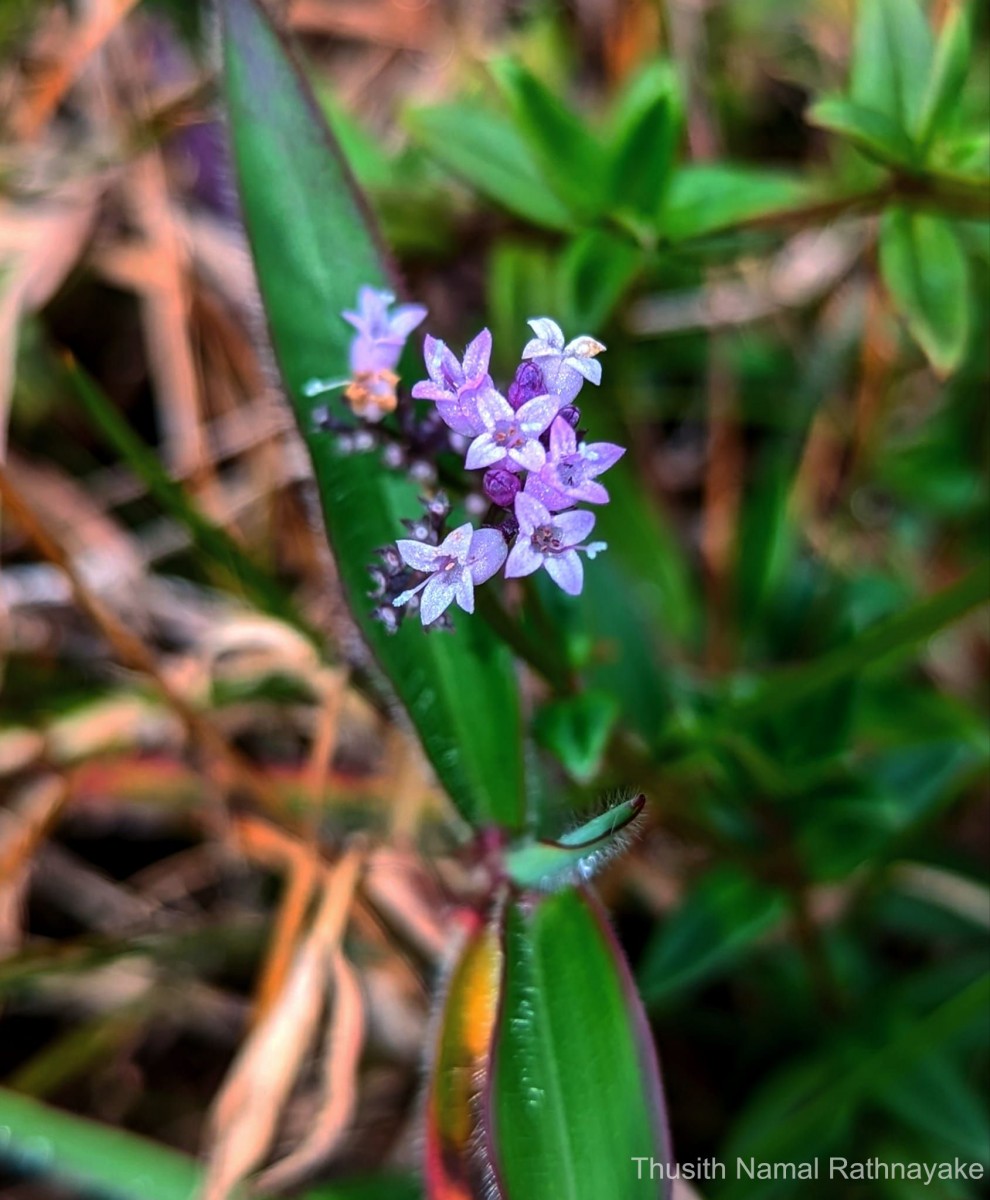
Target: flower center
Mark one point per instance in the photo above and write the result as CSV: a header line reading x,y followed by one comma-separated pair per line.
x,y
546,539
572,470
509,435
446,565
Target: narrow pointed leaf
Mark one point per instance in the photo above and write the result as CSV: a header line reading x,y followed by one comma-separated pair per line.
x,y
924,268
575,1095
872,132
573,162
949,71
313,246
486,152
115,1164
456,1163
577,854
892,55
645,140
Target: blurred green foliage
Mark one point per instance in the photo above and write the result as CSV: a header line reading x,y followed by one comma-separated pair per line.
x,y
808,715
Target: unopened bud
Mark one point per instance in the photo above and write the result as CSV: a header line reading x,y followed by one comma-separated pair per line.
x,y
527,384
501,486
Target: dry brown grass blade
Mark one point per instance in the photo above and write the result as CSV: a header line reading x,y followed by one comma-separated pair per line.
x,y
338,1099
165,302
302,879
39,245
50,86
246,1112
382,22
390,887
23,828
230,768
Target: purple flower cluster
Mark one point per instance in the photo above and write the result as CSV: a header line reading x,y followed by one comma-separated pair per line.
x,y
537,466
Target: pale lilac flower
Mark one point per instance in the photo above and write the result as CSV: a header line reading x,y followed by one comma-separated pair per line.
x,y
463,559
381,334
568,475
374,353
456,387
565,368
551,540
511,439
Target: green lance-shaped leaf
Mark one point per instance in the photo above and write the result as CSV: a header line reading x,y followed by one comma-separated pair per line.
x,y
892,56
874,133
577,854
575,1092
486,151
573,162
948,74
924,268
313,246
115,1164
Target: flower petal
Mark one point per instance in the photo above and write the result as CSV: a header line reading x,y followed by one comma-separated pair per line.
x,y
563,439
547,331
464,591
417,555
567,571
483,452
549,496
530,455
574,526
461,415
590,368
405,319
522,560
591,492
493,407
602,455
477,354
458,543
438,595
433,352
536,414
427,390
561,379
530,513
488,551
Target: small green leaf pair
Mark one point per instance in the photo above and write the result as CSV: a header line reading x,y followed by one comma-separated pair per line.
x,y
915,132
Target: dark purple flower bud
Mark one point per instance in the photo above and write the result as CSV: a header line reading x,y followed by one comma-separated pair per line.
x,y
389,617
509,527
527,384
437,506
378,583
571,414
420,530
501,486
391,560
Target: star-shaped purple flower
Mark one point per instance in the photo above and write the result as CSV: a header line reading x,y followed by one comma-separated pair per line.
x,y
511,437
551,540
570,470
456,387
380,334
463,559
565,368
